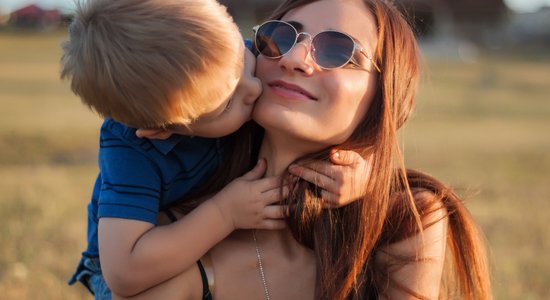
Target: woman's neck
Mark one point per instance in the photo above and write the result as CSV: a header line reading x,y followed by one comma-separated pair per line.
x,y
280,151
277,158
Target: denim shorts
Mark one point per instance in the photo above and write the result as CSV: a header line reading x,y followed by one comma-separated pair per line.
x,y
89,273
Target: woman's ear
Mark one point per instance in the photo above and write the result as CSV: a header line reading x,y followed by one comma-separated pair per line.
x,y
154,134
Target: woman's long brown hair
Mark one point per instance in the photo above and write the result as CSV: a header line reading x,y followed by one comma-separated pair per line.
x,y
346,240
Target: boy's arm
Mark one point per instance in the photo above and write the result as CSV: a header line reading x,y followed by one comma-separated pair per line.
x,y
343,179
136,255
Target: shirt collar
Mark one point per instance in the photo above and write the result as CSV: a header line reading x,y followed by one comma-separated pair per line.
x,y
165,146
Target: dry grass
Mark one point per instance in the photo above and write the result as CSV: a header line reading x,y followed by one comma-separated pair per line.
x,y
484,129
481,127
48,147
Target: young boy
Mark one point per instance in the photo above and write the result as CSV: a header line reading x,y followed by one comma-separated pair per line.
x,y
175,69
175,66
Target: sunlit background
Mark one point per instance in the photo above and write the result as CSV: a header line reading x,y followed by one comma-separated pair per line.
x,y
481,124
9,5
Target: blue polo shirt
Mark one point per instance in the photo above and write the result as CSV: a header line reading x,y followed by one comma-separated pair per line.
x,y
139,176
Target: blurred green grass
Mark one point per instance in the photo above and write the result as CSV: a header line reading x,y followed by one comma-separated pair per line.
x,y
481,127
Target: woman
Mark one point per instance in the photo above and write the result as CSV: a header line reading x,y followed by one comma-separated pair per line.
x,y
349,82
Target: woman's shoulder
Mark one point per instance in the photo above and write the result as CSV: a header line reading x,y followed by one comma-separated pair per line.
x,y
415,207
428,194
411,249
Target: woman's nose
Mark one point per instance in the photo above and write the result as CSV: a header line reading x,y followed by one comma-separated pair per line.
x,y
299,59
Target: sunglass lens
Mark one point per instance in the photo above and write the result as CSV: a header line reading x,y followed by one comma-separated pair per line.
x,y
332,49
274,39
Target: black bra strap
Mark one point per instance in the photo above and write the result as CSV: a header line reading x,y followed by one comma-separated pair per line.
x,y
206,295
170,215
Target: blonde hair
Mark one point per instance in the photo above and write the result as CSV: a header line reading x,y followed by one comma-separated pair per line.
x,y
151,63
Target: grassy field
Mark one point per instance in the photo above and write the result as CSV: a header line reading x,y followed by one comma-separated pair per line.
x,y
482,127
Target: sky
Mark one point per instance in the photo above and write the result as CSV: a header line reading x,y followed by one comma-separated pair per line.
x,y
8,5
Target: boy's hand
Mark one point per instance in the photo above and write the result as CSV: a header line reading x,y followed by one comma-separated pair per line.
x,y
342,181
246,202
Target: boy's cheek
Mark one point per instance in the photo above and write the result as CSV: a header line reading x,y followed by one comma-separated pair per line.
x,y
249,54
255,87
249,63
259,87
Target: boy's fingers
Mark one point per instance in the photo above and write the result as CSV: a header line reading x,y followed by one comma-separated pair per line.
x,y
344,157
275,186
276,211
322,181
322,167
273,196
269,183
257,172
272,224
330,200
286,191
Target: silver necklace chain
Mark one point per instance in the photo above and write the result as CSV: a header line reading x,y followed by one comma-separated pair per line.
x,y
261,266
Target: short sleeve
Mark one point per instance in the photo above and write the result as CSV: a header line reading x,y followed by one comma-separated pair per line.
x,y
131,185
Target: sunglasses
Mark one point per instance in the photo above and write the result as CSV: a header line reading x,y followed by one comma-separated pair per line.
x,y
329,49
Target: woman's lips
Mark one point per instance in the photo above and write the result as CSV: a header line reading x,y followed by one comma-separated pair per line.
x,y
288,90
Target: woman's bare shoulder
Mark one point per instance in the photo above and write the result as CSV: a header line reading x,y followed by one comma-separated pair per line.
x,y
415,263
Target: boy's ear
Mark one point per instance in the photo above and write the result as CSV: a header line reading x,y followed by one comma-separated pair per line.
x,y
154,134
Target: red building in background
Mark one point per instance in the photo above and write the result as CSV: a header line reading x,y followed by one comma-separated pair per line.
x,y
33,16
